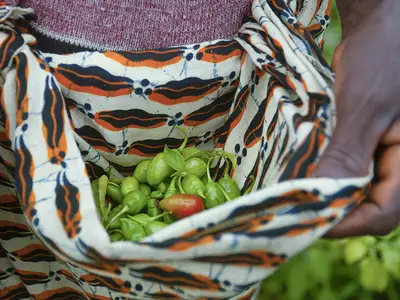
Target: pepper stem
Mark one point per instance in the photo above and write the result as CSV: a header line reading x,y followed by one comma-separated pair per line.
x,y
107,211
159,216
226,173
185,139
181,174
208,169
151,219
181,190
227,156
113,183
201,194
172,184
123,210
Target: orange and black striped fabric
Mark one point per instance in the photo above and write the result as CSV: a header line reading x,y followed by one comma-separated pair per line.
x,y
265,95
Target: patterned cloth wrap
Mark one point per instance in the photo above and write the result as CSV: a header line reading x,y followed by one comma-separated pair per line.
x,y
265,95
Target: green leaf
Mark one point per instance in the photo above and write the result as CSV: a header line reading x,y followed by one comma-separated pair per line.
x,y
103,182
174,159
390,259
320,265
373,276
354,251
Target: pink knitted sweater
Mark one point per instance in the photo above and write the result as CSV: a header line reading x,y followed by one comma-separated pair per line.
x,y
136,24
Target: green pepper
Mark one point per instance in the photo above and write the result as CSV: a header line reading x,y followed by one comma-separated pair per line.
x,y
114,176
141,171
189,152
192,185
169,218
131,230
114,192
158,170
230,187
153,208
116,236
154,226
171,190
162,187
135,201
214,194
128,185
204,180
156,195
181,190
113,220
145,189
196,166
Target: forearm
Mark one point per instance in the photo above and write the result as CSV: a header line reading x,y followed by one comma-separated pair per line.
x,y
354,12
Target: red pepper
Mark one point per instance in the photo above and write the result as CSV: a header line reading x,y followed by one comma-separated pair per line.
x,y
182,205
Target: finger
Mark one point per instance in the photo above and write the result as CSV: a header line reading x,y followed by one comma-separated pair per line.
x,y
381,213
370,218
392,135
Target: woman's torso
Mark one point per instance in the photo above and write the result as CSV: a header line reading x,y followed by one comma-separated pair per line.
x,y
67,25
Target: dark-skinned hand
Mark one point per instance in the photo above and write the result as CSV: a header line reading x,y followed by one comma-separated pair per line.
x,y
367,66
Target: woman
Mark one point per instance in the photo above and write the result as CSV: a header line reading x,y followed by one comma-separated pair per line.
x,y
121,25
365,62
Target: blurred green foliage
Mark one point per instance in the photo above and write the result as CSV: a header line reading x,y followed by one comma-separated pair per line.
x,y
363,268
333,34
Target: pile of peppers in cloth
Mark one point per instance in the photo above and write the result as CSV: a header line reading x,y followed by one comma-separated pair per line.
x,y
173,185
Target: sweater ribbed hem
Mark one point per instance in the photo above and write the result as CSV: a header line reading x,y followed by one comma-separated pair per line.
x,y
137,24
